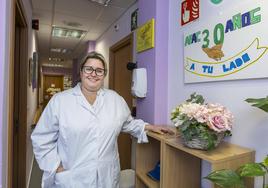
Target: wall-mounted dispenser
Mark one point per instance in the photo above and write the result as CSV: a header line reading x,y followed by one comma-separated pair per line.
x,y
139,82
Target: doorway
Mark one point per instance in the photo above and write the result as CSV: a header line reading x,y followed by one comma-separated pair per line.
x,y
18,102
120,80
52,84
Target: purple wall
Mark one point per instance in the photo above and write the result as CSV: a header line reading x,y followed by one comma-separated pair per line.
x,y
91,46
146,59
161,68
153,108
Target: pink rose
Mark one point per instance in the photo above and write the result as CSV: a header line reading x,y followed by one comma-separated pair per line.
x,y
218,123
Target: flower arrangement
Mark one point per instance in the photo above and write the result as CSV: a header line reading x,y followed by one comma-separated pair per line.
x,y
202,125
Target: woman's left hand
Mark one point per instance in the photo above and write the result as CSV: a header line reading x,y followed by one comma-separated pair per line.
x,y
159,129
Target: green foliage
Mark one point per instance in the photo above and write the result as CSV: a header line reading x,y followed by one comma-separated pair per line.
x,y
190,129
230,178
194,98
261,103
225,178
265,162
251,170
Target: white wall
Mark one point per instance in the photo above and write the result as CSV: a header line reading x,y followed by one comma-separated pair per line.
x,y
111,36
31,94
31,109
251,124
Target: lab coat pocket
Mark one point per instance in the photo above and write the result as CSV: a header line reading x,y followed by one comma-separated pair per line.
x,y
85,177
63,179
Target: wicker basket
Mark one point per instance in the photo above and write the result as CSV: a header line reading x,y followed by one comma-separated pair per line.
x,y
200,143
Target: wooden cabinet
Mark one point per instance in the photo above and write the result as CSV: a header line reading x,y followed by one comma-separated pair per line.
x,y
147,155
181,166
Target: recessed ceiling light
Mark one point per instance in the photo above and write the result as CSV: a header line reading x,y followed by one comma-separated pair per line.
x,y
102,2
55,59
51,65
58,50
65,32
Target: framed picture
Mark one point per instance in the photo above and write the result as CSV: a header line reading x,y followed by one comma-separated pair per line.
x,y
145,36
35,71
30,73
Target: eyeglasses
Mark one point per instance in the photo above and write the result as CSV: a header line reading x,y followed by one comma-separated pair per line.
x,y
90,70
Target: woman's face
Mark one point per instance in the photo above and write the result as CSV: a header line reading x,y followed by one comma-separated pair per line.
x,y
92,75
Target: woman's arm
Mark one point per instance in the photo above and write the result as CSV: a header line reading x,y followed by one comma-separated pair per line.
x,y
44,138
138,128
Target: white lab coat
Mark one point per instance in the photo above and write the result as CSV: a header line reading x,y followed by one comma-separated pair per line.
x,y
83,138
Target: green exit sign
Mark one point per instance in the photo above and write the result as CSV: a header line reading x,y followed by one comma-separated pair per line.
x,y
134,20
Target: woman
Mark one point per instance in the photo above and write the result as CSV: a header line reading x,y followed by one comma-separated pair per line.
x,y
75,140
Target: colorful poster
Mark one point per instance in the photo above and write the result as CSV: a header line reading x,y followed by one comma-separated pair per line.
x,y
189,11
232,47
145,36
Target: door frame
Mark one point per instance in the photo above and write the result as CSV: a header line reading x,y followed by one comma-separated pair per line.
x,y
128,40
18,12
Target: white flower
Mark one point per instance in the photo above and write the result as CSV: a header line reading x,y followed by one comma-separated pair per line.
x,y
178,123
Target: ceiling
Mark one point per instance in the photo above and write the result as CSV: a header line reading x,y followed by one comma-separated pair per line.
x,y
85,15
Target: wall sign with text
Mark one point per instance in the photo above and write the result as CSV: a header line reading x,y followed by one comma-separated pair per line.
x,y
189,11
145,36
232,47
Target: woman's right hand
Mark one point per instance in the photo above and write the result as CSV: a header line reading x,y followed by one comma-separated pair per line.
x,y
60,169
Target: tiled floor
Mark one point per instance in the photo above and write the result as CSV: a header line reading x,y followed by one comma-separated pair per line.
x,y
36,176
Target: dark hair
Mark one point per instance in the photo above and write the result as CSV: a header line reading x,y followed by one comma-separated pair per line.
x,y
94,55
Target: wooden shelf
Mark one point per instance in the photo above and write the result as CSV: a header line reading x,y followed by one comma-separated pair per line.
x,y
147,155
225,151
147,180
181,166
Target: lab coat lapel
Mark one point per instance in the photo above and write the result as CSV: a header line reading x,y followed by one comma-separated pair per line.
x,y
99,101
81,99
83,102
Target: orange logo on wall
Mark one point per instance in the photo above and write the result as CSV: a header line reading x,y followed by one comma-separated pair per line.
x,y
189,11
